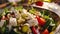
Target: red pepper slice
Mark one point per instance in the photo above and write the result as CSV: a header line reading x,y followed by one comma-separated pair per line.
x,y
40,20
34,30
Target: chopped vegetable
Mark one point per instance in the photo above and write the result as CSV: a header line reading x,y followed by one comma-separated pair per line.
x,y
46,25
25,28
45,31
19,8
52,32
41,21
32,11
34,30
18,20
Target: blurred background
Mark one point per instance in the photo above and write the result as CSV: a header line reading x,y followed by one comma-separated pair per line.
x,y
28,1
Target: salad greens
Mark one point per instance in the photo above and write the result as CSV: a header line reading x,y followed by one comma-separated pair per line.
x,y
50,24
19,8
32,11
26,20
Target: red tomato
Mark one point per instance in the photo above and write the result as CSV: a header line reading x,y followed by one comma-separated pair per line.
x,y
39,3
45,31
34,30
41,21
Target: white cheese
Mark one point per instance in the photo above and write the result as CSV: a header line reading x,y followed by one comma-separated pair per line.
x,y
32,22
13,21
2,23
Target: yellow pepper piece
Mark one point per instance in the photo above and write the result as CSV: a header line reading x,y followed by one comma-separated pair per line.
x,y
25,28
52,32
47,0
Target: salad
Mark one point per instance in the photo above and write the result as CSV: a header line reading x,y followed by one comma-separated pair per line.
x,y
18,20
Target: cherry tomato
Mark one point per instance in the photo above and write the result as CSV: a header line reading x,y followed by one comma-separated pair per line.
x,y
39,3
45,31
40,20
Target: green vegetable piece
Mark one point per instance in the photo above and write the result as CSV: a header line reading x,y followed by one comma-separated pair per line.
x,y
5,10
46,17
46,25
24,16
50,28
13,32
3,29
44,13
6,30
19,8
32,11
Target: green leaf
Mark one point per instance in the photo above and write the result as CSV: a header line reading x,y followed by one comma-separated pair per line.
x,y
3,29
44,13
5,11
32,11
46,25
5,23
19,8
46,17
